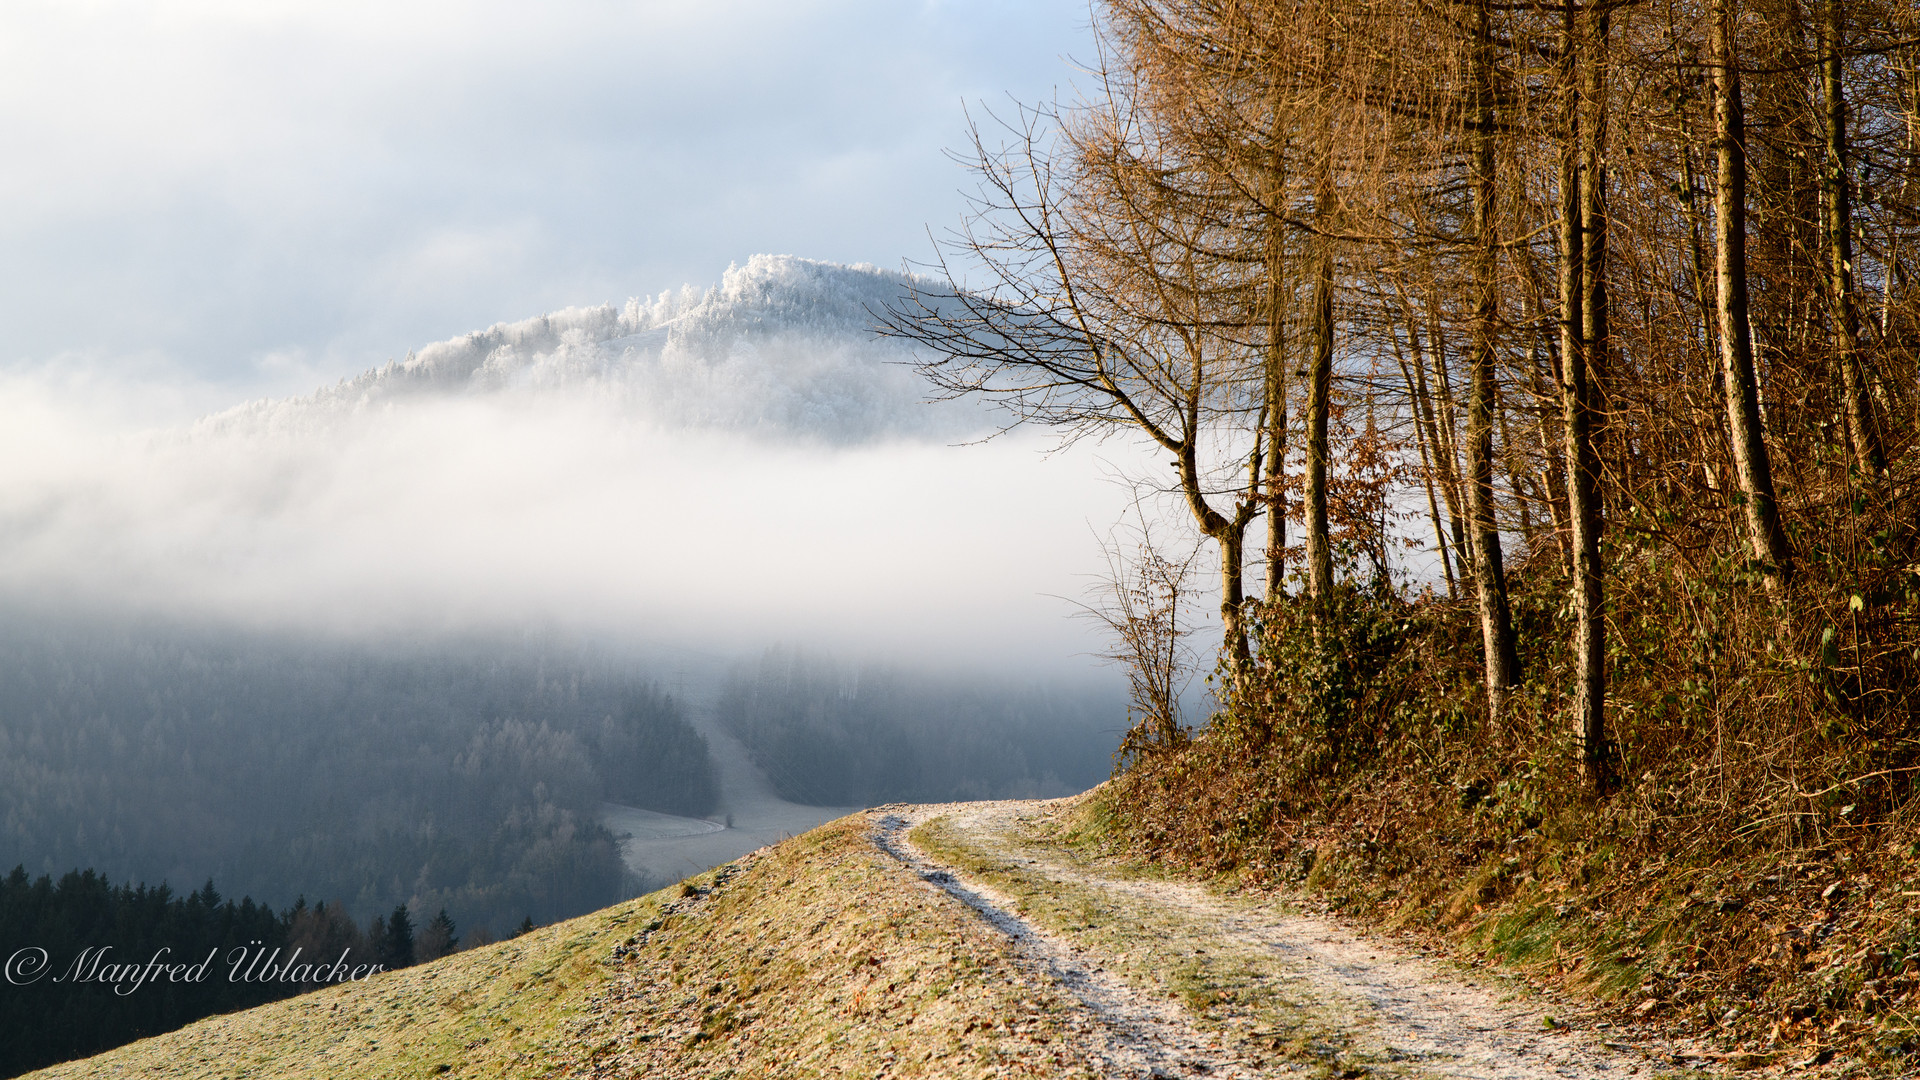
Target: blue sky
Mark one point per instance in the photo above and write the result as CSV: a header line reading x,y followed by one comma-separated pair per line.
x,y
258,196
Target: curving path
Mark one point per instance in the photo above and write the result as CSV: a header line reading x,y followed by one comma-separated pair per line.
x,y
1299,994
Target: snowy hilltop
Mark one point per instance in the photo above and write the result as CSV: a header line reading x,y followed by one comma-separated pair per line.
x,y
782,347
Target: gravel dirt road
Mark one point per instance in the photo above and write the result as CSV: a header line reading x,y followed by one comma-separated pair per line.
x,y
1177,980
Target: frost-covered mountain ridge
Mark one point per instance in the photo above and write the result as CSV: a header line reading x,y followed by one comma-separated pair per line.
x,y
782,346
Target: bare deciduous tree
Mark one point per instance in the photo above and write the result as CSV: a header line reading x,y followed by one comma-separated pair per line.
x,y
1142,604
1097,315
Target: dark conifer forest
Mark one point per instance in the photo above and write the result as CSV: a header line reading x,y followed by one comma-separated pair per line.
x,y
459,775
91,965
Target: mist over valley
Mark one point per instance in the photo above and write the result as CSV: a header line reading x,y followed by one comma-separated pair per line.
x,y
455,632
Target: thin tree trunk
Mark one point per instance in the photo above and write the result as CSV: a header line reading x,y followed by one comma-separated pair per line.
x,y
1897,280
1449,417
1230,534
1867,451
1543,385
1708,427
1553,444
1276,408
1276,480
1319,398
1496,620
1446,472
1525,486
1766,539
1428,429
1426,474
1583,334
1232,541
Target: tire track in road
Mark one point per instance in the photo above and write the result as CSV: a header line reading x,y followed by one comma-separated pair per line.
x,y
1131,1033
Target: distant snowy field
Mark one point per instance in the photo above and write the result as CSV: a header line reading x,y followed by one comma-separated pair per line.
x,y
724,467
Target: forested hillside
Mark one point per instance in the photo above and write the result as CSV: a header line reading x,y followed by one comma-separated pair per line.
x,y
1546,382
829,733
457,774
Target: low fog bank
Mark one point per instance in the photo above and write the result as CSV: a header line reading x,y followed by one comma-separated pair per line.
x,y
723,469
460,515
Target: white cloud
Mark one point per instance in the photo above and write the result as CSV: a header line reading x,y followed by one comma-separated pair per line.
x,y
503,512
